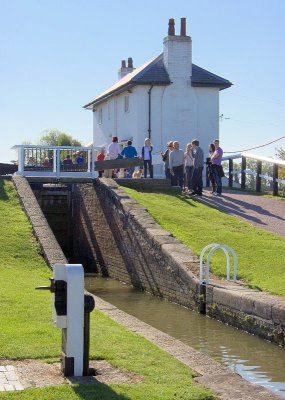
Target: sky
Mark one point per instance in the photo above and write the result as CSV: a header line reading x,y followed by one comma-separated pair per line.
x,y
56,55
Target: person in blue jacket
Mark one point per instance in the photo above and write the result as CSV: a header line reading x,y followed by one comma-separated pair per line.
x,y
129,152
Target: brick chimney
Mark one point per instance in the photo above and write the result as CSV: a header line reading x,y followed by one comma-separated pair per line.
x,y
177,52
124,70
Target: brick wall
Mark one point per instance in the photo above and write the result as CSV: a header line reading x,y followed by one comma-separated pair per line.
x,y
130,246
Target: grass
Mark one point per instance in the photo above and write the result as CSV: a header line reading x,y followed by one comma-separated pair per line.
x,y
26,330
260,253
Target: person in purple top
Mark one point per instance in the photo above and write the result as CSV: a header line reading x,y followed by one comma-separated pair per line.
x,y
216,160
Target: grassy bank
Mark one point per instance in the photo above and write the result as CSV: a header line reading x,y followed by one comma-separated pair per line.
x,y
260,253
26,330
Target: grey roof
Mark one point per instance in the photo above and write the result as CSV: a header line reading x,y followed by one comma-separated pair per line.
x,y
154,73
201,77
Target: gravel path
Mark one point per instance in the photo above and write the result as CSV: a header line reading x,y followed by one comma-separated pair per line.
x,y
265,213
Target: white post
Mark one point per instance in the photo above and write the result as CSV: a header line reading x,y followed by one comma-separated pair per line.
x,y
58,161
21,160
54,160
73,322
88,160
93,162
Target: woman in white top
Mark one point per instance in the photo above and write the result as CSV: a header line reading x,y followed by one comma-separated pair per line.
x,y
147,158
189,166
114,149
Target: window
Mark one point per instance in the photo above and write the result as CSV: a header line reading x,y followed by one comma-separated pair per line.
x,y
127,103
109,110
100,116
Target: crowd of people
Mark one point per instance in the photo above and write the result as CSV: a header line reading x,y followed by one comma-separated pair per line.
x,y
183,168
114,151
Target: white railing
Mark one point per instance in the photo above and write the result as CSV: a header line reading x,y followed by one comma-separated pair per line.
x,y
270,179
56,161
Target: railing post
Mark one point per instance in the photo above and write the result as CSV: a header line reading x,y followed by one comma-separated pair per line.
x,y
58,161
93,162
88,160
21,159
243,175
231,168
54,160
275,177
258,178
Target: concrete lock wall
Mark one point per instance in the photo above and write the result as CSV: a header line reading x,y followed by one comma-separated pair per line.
x,y
130,246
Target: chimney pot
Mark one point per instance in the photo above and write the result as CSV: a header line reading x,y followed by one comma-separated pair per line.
x,y
171,27
183,27
123,63
130,62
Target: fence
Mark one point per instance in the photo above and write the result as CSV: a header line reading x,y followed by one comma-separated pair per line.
x,y
250,171
58,161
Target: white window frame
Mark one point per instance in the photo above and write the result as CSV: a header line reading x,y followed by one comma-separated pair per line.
x,y
100,116
127,103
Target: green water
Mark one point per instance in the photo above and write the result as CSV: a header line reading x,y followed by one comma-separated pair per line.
x,y
256,360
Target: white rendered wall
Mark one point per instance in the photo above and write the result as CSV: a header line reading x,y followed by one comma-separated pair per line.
x,y
178,112
115,120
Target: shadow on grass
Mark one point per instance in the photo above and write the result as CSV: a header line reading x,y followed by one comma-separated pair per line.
x,y
97,391
171,193
3,194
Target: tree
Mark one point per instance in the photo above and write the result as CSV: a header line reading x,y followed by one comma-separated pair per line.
x,y
54,137
281,154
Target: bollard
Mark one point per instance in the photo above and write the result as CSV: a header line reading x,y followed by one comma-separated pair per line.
x,y
71,313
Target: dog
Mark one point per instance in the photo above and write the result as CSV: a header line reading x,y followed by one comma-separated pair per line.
x,y
137,174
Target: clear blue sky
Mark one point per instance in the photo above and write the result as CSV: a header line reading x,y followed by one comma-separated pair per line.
x,y
56,55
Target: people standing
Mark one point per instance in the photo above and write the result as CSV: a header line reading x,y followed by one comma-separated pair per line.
x,y
210,172
114,148
147,158
79,158
189,166
165,159
176,165
67,160
101,157
113,152
198,168
216,160
129,152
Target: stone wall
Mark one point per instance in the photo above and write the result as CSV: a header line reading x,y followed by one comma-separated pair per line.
x,y
50,248
129,245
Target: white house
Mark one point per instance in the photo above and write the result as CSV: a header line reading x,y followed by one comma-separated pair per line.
x,y
167,98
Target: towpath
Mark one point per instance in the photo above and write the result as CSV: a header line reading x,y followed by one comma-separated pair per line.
x,y
263,212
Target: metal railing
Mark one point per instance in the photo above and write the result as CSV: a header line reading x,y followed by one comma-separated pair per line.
x,y
255,172
56,161
214,247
